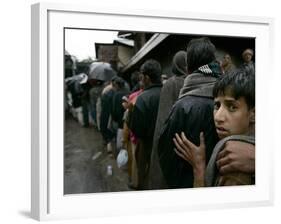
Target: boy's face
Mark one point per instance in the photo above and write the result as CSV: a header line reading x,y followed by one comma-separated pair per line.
x,y
232,117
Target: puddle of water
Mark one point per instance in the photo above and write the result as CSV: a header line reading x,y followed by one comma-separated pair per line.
x,y
78,151
97,155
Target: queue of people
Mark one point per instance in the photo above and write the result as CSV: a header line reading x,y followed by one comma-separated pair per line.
x,y
193,129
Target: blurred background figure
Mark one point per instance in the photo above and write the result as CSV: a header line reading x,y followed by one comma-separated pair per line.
x,y
130,140
117,111
227,64
144,117
248,64
77,97
106,125
135,81
169,95
100,74
164,78
94,101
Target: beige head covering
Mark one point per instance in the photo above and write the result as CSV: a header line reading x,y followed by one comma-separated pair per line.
x,y
248,51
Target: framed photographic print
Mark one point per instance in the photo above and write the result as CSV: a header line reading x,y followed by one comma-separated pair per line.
x,y
96,72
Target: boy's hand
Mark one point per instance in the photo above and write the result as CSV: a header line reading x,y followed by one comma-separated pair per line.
x,y
195,155
236,156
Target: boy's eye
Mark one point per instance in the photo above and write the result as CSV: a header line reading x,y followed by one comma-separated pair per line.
x,y
232,107
216,105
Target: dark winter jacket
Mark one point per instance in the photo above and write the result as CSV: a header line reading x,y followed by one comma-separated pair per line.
x,y
118,110
191,114
145,112
142,124
106,108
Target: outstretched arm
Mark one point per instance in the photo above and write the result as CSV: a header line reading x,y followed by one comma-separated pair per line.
x,y
195,155
236,156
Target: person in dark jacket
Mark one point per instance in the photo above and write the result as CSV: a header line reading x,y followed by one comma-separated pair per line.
x,y
117,108
144,117
106,107
117,111
94,94
169,95
191,114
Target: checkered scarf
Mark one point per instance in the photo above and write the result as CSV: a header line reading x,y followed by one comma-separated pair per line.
x,y
211,69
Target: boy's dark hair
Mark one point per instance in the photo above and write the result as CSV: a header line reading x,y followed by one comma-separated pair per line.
x,y
241,83
152,68
200,51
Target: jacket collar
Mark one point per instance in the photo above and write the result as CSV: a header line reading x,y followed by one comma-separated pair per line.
x,y
153,86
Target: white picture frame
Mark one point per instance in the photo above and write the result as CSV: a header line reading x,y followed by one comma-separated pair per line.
x,y
48,201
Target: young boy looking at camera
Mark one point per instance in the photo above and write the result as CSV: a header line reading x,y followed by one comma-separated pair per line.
x,y
234,116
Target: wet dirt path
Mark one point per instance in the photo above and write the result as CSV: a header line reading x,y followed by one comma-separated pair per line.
x,y
86,162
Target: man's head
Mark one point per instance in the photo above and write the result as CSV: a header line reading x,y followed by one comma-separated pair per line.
x,y
234,103
135,78
179,66
226,60
151,72
247,55
200,51
118,83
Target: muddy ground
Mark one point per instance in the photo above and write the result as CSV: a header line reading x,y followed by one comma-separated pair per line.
x,y
86,162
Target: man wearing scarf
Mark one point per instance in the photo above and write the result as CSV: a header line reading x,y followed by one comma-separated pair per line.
x,y
191,114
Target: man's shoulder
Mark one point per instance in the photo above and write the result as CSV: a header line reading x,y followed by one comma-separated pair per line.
x,y
147,93
193,101
192,105
173,81
141,99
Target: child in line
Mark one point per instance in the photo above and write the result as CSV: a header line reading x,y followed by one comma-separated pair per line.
x,y
234,116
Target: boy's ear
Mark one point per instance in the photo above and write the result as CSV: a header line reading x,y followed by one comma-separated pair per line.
x,y
252,115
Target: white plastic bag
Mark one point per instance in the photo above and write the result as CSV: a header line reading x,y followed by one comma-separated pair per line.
x,y
122,158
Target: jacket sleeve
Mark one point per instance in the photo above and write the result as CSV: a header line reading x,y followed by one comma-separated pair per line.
x,y
138,122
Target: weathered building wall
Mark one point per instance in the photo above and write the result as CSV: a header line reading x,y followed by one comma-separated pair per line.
x,y
124,55
107,53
